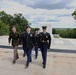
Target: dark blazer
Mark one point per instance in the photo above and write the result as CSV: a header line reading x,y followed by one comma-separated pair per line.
x,y
15,39
44,40
28,40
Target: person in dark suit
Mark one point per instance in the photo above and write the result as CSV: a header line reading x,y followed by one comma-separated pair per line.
x,y
45,42
14,36
28,42
36,37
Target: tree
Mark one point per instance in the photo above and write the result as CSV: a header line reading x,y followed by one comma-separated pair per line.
x,y
74,14
17,20
54,31
4,29
33,29
20,21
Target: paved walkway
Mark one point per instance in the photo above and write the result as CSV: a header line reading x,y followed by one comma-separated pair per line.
x,y
61,59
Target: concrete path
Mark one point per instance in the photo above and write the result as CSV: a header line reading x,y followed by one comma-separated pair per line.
x,y
61,59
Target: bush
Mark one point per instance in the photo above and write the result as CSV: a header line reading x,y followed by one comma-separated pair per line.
x,y
66,33
4,29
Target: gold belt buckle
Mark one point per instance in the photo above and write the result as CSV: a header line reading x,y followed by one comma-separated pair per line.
x,y
43,41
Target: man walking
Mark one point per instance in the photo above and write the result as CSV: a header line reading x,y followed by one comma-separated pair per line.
x,y
45,42
28,41
14,36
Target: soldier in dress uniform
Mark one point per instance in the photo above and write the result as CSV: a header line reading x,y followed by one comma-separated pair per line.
x,y
36,37
45,42
14,36
28,41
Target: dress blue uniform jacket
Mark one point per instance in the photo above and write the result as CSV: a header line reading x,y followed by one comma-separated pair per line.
x,y
45,40
28,40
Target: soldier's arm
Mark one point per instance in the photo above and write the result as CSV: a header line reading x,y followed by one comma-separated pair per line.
x,y
19,36
39,40
10,37
49,41
33,39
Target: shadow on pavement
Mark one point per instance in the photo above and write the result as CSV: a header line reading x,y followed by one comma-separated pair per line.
x,y
62,50
50,50
10,59
8,47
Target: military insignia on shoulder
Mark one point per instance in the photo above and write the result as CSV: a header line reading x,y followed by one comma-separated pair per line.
x,y
31,35
46,36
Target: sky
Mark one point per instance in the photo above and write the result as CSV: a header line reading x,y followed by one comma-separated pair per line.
x,y
56,12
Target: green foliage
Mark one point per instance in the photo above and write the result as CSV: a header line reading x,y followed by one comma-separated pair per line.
x,y
66,33
8,21
18,29
54,31
56,37
74,14
20,21
4,29
33,29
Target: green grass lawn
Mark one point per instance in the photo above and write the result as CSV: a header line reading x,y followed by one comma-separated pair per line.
x,y
56,37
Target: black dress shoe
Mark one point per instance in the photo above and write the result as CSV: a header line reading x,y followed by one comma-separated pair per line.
x,y
27,65
13,62
35,57
17,58
23,55
44,66
30,61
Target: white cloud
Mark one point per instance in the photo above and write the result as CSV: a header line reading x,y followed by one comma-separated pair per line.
x,y
65,22
72,4
15,7
57,17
